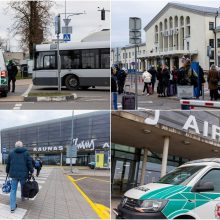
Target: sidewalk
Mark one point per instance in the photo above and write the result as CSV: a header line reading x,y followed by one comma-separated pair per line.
x,y
57,199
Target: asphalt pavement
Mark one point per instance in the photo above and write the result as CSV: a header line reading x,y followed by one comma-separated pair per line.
x,y
61,196
93,98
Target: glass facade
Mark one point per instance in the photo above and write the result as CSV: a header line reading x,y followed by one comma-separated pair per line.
x,y
39,138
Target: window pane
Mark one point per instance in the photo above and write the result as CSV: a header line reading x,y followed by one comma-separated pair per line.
x,y
70,59
105,58
45,60
214,177
90,59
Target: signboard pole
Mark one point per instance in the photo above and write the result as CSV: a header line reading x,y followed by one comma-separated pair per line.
x,y
136,87
58,62
71,156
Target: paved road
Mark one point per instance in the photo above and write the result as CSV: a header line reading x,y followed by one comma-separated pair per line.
x,y
58,198
97,98
155,102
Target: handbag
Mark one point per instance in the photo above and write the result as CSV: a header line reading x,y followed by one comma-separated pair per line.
x,y
30,188
6,187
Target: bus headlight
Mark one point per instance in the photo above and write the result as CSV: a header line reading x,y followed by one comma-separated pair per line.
x,y
151,205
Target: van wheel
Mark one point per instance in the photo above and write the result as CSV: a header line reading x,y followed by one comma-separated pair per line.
x,y
72,82
4,94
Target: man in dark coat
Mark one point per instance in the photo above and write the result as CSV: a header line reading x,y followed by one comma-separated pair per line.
x,y
153,73
18,167
12,72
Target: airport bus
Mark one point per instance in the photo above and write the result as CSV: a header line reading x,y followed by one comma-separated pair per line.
x,y
83,64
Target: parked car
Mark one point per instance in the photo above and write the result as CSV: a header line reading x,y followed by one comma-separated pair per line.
x,y
92,165
3,77
191,191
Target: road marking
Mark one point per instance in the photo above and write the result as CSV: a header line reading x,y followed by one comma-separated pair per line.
x,y
99,179
5,212
91,100
81,179
17,106
99,210
25,94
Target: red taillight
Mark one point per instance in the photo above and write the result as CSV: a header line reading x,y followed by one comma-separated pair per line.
x,y
4,74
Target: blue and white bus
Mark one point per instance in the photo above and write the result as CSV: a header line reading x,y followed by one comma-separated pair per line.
x,y
83,64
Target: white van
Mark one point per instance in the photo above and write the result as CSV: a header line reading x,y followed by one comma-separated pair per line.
x,y
191,191
3,76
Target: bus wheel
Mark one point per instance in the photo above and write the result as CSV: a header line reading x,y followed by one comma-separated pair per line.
x,y
72,82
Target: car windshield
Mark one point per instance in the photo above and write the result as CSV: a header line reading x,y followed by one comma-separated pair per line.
x,y
181,175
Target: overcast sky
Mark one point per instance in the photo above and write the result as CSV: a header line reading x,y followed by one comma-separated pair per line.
x,y
83,25
12,118
146,10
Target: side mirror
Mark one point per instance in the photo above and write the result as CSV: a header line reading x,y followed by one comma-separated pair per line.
x,y
203,187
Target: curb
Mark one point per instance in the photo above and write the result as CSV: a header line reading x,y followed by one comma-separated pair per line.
x,y
50,98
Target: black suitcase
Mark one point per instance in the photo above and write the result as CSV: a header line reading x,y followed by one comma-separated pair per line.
x,y
128,100
30,188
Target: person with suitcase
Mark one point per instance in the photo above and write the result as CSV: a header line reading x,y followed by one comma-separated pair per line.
x,y
19,166
128,99
38,166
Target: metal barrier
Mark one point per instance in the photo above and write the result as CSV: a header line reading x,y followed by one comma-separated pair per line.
x,y
188,104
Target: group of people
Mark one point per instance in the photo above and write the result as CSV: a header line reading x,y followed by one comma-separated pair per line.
x,y
168,80
20,166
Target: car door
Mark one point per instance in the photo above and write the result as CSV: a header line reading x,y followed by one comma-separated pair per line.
x,y
208,203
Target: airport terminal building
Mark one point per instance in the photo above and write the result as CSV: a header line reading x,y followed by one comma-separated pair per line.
x,y
147,145
51,139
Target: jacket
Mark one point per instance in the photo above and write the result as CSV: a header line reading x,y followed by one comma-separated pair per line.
x,y
146,77
19,164
165,77
213,79
153,73
12,70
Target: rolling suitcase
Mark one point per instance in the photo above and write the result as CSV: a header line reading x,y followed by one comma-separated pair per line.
x,y
150,89
170,90
128,100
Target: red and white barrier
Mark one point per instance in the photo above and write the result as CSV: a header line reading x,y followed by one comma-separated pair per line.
x,y
200,103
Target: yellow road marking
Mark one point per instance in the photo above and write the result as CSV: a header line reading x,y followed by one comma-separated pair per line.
x,y
99,180
81,179
99,210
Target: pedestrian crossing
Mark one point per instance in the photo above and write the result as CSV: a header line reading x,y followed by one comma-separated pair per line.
x,y
19,213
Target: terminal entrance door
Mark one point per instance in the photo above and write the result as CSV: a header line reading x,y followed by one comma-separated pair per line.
x,y
123,176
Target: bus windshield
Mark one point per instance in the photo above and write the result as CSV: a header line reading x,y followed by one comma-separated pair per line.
x,y
181,175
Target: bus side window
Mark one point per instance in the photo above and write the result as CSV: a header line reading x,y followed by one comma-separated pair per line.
x,y
90,59
45,60
49,62
70,59
105,58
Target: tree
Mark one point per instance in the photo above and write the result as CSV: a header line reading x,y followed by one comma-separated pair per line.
x,y
32,21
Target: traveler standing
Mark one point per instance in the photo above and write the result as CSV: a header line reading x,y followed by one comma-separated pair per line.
x,y
175,75
121,76
165,79
38,165
213,79
147,82
160,84
114,89
153,73
12,72
18,167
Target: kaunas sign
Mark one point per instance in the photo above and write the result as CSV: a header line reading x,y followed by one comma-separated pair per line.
x,y
48,149
190,125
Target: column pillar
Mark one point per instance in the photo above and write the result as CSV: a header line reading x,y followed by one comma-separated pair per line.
x,y
165,155
61,159
144,162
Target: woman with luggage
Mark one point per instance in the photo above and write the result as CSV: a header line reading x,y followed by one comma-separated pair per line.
x,y
147,83
213,79
19,166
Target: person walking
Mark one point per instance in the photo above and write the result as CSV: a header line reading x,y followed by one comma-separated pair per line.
x,y
213,79
38,165
19,166
12,72
147,82
153,73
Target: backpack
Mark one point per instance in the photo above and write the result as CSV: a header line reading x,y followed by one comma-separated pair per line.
x,y
37,164
30,188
